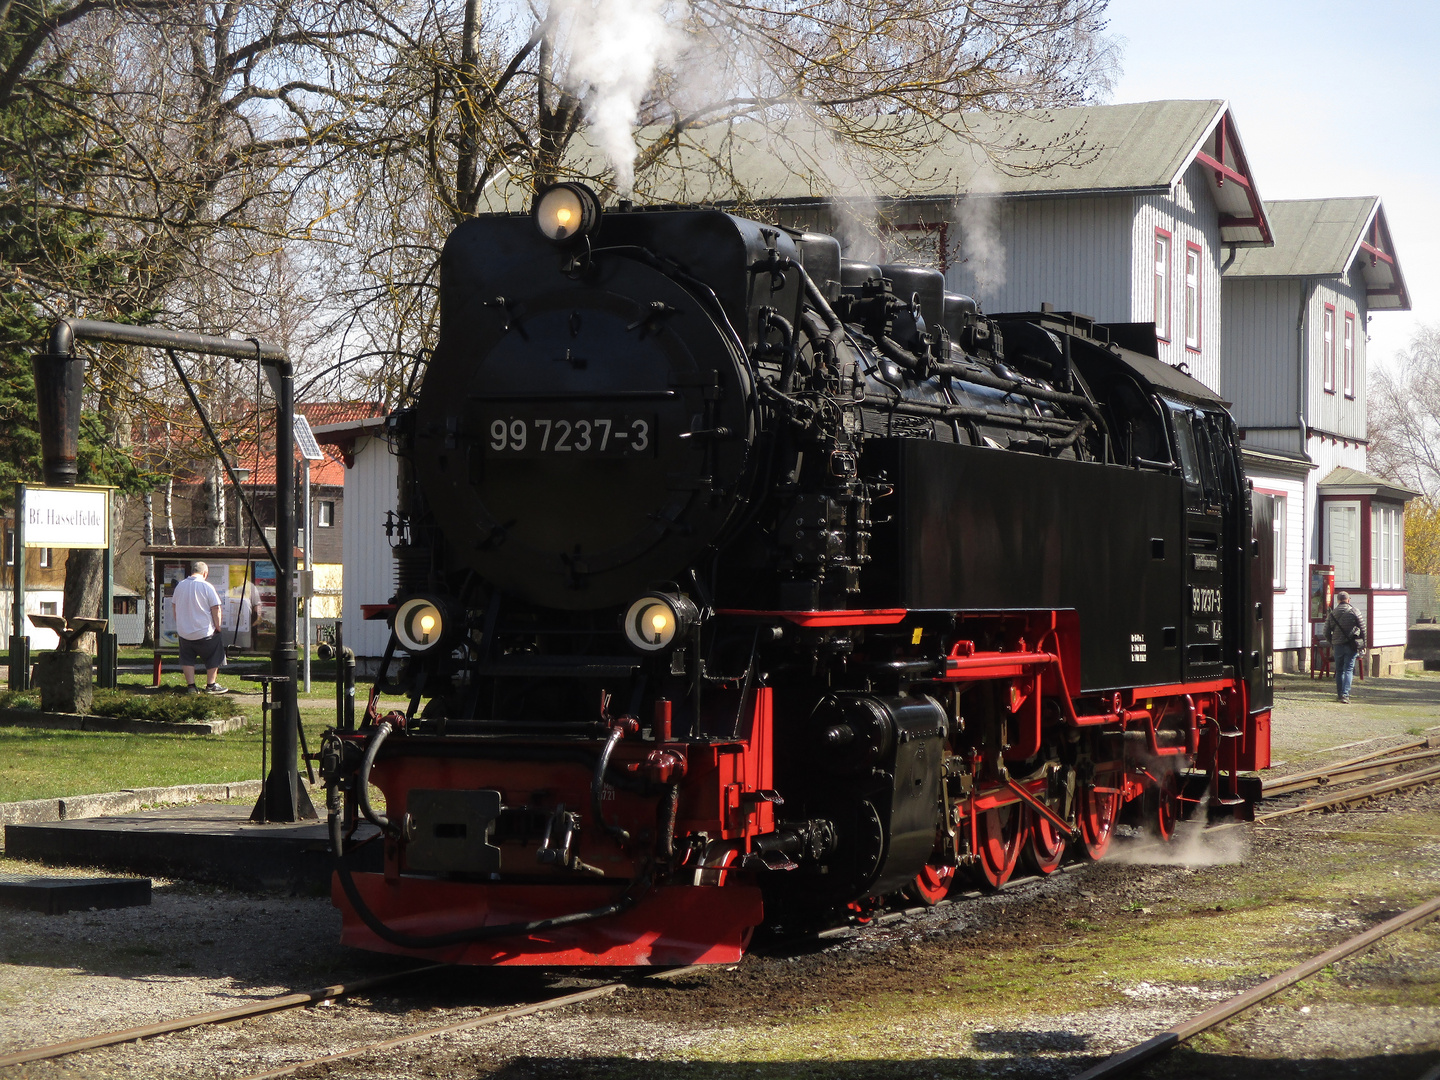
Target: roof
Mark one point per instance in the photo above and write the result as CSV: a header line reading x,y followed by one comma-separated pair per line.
x,y
1278,460
254,450
1136,148
1325,238
1344,481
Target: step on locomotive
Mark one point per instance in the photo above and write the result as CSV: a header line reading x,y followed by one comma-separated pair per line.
x,y
740,583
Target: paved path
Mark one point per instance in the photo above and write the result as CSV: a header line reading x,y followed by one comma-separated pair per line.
x,y
1308,719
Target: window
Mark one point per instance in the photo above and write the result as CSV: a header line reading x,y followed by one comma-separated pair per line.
x,y
1192,296
325,519
1277,527
1387,548
1342,542
1349,354
1162,284
46,558
1328,348
127,605
49,607
9,547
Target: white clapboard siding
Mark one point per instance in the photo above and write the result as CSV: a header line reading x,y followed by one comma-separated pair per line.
x,y
1190,216
1389,620
370,490
1073,253
1259,368
1332,411
1289,628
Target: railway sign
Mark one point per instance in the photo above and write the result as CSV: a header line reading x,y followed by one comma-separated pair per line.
x,y
68,517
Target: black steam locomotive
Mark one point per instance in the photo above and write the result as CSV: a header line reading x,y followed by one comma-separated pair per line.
x,y
738,582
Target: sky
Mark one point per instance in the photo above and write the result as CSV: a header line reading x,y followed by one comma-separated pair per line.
x,y
1330,99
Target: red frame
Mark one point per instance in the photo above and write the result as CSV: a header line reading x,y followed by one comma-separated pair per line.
x,y
1169,329
1349,354
1199,297
1327,348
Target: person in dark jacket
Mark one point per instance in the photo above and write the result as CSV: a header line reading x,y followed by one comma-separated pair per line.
x,y
1345,630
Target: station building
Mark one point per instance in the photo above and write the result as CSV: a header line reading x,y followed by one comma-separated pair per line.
x,y
1141,214
1296,319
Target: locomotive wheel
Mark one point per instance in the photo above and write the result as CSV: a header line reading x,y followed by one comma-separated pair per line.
x,y
1044,844
931,885
1002,836
1098,811
1162,806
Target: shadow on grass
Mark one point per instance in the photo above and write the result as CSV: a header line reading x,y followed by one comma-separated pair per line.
x,y
1017,1063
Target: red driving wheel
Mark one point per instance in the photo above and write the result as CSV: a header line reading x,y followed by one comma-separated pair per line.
x,y
1002,834
1045,846
1098,812
1162,805
932,884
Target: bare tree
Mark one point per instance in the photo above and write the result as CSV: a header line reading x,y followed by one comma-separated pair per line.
x,y
457,108
1405,414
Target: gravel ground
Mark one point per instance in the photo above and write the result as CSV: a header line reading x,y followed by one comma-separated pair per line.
x,y
1037,981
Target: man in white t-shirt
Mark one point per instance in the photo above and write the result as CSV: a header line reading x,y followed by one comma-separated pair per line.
x,y
197,622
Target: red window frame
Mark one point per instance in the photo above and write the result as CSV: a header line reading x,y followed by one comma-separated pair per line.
x,y
1327,349
1190,247
1349,354
1164,330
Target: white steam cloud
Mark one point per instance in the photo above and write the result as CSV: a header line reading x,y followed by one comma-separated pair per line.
x,y
982,249
615,47
1193,845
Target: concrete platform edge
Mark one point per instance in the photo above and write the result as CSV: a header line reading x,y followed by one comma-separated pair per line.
x,y
72,807
84,722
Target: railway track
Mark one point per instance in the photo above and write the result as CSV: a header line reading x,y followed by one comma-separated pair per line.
x,y
1421,754
221,1016
499,1016
287,1002
1167,1040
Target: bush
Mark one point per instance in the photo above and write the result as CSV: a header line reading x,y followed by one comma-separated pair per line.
x,y
20,699
162,708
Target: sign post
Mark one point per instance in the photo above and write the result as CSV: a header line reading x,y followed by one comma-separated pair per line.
x,y
78,516
19,640
310,451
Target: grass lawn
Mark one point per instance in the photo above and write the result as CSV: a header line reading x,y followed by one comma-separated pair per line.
x,y
37,763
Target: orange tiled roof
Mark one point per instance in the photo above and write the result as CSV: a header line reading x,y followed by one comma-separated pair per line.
x,y
258,455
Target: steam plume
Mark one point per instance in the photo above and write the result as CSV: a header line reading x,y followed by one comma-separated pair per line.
x,y
615,47
982,250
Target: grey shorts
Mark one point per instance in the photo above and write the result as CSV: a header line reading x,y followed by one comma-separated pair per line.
x,y
207,652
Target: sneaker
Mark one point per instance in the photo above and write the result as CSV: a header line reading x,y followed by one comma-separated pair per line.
x,y
1345,700
215,688
192,689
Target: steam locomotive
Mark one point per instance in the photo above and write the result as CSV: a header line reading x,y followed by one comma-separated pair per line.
x,y
739,583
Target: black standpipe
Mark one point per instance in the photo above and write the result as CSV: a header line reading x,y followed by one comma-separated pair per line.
x,y
59,375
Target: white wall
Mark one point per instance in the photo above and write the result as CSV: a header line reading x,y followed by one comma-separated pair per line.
x,y
370,490
1290,627
1389,620
1073,253
40,640
1189,215
1260,364
1334,411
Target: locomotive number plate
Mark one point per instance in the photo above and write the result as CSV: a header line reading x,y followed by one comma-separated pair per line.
x,y
589,436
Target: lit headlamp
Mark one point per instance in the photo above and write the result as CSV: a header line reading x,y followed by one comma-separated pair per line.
x,y
566,212
658,620
422,623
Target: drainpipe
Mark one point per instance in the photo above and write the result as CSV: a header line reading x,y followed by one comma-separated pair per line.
x,y
1302,411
